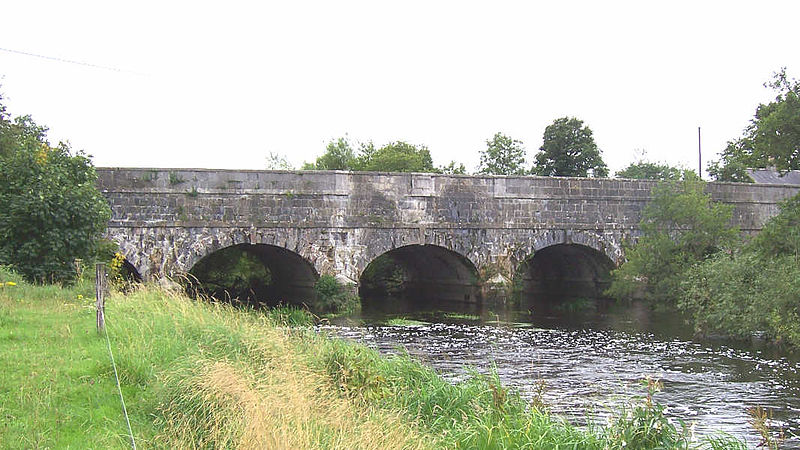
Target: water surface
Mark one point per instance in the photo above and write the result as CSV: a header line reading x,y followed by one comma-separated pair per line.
x,y
591,358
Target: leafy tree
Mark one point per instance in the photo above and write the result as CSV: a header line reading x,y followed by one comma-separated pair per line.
x,y
569,150
781,235
644,170
453,168
396,157
772,139
736,159
339,155
503,156
51,212
17,130
680,227
754,288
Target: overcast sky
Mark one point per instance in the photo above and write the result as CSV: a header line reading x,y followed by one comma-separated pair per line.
x,y
223,84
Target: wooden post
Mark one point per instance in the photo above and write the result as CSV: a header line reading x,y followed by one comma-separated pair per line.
x,y
101,288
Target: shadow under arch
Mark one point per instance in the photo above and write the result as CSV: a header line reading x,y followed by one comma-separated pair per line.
x,y
129,272
420,274
564,271
254,274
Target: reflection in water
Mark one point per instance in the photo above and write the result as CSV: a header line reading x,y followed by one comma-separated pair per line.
x,y
591,358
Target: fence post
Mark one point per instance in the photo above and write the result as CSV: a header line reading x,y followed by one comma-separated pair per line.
x,y
101,288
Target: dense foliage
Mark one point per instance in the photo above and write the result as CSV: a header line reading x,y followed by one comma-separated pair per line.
x,y
680,227
396,156
644,170
334,297
503,156
755,289
51,212
569,150
772,139
339,155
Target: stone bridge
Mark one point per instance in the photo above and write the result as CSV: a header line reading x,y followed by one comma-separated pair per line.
x,y
456,232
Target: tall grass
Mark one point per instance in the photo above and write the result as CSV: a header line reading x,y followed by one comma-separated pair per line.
x,y
206,375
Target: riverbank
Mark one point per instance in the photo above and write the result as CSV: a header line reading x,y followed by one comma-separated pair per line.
x,y
196,374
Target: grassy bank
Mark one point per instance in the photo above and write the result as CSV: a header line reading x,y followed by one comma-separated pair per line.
x,y
198,375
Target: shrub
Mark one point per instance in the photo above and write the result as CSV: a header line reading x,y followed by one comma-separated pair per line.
x,y
754,289
333,297
51,212
681,227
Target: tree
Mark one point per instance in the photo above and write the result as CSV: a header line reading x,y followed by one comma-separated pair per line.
x,y
644,170
453,168
396,157
736,159
339,155
772,139
51,212
680,227
503,156
752,289
569,150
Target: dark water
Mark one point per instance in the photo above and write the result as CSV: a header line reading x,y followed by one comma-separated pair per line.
x,y
591,358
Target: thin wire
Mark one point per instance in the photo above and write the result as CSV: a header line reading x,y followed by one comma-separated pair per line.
x,y
70,61
119,389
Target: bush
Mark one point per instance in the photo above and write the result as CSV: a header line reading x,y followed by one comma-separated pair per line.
x,y
755,289
333,297
681,227
51,212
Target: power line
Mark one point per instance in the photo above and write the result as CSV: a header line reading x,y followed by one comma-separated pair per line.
x,y
70,61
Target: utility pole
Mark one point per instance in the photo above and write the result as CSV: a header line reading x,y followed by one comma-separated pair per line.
x,y
699,156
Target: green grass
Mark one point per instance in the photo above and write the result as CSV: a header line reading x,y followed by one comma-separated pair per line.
x,y
460,316
198,374
404,322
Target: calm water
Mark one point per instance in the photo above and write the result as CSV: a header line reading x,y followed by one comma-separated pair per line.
x,y
592,361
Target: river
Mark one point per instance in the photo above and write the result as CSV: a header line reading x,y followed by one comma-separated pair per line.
x,y
586,359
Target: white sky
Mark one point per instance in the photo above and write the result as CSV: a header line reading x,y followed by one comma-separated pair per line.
x,y
220,85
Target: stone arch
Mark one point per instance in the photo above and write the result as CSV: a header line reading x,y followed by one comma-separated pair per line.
x,y
280,275
373,243
603,242
421,271
564,270
172,251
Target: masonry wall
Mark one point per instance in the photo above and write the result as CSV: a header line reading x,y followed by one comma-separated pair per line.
x,y
166,219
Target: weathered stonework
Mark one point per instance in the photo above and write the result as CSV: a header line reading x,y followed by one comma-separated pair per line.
x,y
165,220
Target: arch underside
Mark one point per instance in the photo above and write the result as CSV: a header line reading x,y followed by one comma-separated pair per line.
x,y
444,261
422,272
289,278
565,270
